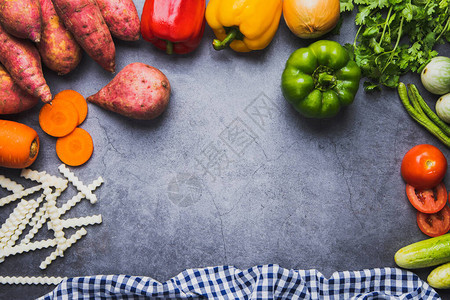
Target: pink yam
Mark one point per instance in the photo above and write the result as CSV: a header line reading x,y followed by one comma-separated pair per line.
x,y
138,91
59,50
85,21
21,18
13,99
122,18
22,61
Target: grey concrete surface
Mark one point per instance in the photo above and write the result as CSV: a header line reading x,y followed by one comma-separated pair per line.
x,y
230,174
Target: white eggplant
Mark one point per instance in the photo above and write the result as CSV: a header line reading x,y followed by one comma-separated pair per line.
x,y
443,108
436,75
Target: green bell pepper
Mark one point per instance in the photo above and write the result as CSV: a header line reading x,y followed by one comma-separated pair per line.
x,y
320,79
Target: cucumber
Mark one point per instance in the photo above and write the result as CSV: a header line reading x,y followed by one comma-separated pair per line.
x,y
427,253
439,278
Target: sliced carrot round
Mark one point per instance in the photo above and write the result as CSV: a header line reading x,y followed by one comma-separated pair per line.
x,y
77,100
75,148
58,118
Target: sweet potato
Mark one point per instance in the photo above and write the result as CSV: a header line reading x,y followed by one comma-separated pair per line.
x,y
84,19
122,18
138,91
22,61
13,99
59,50
21,18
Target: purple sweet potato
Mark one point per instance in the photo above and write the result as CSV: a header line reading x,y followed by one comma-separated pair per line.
x,y
122,18
13,99
138,91
21,18
59,50
22,61
85,21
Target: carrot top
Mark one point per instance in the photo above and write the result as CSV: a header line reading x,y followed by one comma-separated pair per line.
x,y
58,118
77,100
75,148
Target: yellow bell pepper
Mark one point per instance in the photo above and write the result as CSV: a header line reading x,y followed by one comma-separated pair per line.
x,y
243,25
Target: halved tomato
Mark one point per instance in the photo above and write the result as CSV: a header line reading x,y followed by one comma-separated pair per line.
x,y
428,201
434,224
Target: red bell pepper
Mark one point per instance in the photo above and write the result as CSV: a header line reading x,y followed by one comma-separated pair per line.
x,y
176,26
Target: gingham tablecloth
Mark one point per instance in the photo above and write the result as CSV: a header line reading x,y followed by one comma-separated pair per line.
x,y
259,282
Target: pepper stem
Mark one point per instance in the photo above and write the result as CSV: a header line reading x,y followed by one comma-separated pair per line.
x,y
169,47
231,36
325,79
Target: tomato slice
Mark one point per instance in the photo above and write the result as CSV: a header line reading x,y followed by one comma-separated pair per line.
x,y
434,224
428,201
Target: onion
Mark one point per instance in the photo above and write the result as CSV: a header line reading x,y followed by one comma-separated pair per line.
x,y
311,18
443,108
436,75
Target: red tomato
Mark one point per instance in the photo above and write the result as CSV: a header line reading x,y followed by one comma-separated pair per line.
x,y
424,166
428,201
434,224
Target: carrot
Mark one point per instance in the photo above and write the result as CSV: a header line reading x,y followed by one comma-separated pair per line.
x,y
59,118
19,145
77,100
75,148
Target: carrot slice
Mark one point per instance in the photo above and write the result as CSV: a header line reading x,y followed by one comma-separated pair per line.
x,y
75,148
59,118
77,100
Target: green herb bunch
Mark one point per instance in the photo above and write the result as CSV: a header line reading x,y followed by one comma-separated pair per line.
x,y
396,36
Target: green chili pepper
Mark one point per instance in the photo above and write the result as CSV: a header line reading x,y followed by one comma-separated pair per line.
x,y
420,117
427,110
320,79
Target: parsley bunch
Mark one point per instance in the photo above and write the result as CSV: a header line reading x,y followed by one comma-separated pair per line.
x,y
396,36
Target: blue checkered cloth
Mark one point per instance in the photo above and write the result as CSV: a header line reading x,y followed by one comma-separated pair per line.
x,y
259,282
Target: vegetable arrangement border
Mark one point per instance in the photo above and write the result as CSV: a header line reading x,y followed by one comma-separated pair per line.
x,y
393,37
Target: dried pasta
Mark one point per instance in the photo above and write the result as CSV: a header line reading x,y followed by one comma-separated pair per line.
x,y
63,247
19,195
36,213
21,248
33,205
32,174
56,223
13,221
36,223
43,177
10,185
79,222
31,280
78,197
77,183
70,203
